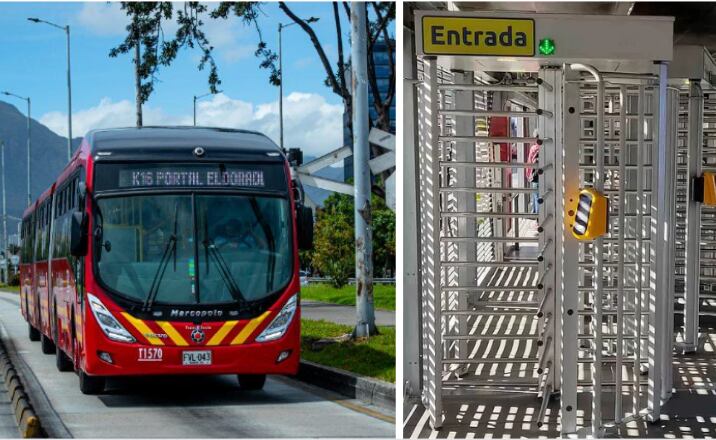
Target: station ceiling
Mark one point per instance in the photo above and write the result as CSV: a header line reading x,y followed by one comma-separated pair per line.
x,y
694,20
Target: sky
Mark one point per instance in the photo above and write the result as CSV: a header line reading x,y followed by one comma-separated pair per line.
x,y
32,62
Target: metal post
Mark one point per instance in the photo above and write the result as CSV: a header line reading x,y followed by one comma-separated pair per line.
x,y
429,223
567,165
466,202
280,88
29,145
618,411
550,130
641,208
407,229
194,110
365,325
692,265
659,289
4,212
69,98
672,111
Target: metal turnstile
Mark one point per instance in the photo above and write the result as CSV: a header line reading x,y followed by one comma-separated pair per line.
x,y
511,301
691,76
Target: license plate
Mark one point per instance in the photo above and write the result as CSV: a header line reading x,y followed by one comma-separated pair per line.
x,y
196,357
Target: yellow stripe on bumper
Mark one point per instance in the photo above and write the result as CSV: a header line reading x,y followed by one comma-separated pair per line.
x,y
172,333
248,329
143,329
221,334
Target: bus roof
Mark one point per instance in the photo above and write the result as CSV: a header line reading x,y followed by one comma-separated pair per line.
x,y
129,139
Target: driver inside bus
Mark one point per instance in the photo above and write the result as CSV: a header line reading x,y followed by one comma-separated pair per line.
x,y
237,234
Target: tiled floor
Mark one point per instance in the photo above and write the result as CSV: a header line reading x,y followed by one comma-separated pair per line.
x,y
690,413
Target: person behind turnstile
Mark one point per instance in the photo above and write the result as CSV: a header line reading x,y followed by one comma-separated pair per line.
x,y
531,174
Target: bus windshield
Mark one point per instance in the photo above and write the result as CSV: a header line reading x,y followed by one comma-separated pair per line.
x,y
194,248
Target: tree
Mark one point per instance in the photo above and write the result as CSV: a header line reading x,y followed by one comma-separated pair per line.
x,y
13,249
334,252
336,77
384,15
146,39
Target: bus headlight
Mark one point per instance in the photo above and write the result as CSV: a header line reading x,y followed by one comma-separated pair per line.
x,y
107,322
281,322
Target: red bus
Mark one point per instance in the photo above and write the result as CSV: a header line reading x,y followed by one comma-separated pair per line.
x,y
167,250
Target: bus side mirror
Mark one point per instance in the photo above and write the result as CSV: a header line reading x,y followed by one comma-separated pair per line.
x,y
305,228
295,157
78,234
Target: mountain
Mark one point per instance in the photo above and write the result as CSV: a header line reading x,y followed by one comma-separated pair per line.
x,y
49,153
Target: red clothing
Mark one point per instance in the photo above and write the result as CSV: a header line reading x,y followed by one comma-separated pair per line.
x,y
532,157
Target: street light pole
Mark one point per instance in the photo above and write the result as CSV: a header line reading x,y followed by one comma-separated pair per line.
x,y
29,147
280,87
69,82
365,314
29,141
196,98
69,97
280,73
4,213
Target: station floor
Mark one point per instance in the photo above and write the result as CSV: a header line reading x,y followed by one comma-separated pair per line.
x,y
690,413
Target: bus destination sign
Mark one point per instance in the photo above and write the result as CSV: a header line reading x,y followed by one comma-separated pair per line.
x,y
240,176
147,178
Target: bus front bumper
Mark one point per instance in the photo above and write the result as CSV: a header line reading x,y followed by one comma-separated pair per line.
x,y
109,358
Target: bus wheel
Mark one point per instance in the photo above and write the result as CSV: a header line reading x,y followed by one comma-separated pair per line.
x,y
33,333
48,347
251,382
62,361
91,384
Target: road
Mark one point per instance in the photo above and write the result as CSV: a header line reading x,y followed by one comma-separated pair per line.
x,y
188,406
345,315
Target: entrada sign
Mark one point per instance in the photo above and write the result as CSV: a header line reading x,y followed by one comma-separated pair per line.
x,y
443,35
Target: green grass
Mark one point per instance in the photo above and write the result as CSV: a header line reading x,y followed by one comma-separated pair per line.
x,y
7,288
374,357
383,294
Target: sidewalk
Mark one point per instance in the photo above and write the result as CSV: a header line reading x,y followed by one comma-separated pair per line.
x,y
338,314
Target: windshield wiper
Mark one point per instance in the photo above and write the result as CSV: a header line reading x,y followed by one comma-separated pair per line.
x,y
224,271
169,248
211,251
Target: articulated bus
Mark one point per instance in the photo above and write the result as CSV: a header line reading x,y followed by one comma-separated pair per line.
x,y
167,250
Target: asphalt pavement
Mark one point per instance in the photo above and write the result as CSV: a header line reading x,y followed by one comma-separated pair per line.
x,y
345,315
188,406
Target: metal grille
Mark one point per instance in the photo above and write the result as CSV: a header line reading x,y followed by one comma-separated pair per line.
x,y
614,271
511,301
696,149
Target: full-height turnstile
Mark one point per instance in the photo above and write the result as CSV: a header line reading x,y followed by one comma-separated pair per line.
x,y
692,74
511,300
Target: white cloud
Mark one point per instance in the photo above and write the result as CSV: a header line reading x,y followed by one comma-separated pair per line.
x,y
310,122
234,54
103,18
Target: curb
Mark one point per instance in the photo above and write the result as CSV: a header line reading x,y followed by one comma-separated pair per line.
x,y
367,390
27,421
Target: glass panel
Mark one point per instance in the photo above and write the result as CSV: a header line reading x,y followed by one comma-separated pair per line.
x,y
145,237
244,246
